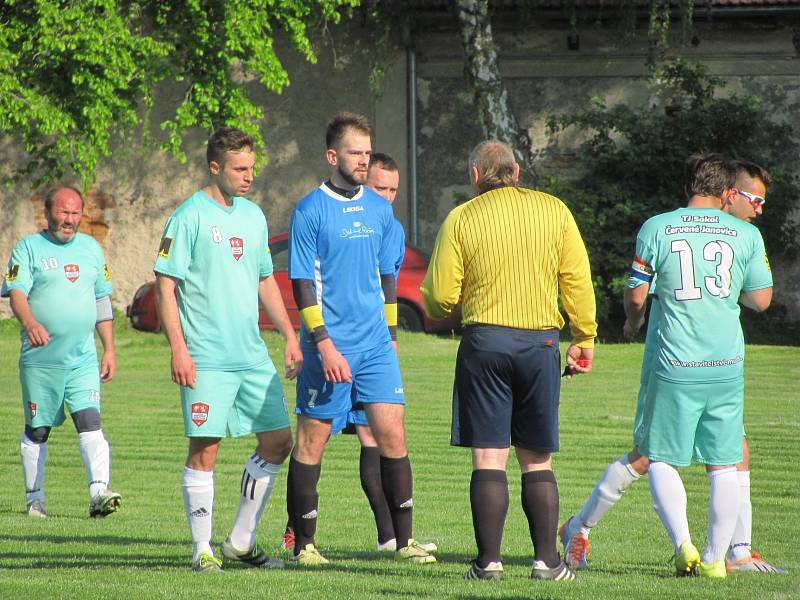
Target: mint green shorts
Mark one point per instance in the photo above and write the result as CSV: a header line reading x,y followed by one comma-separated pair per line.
x,y
46,391
234,403
685,419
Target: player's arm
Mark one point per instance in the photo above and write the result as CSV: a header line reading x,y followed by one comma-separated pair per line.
x,y
334,364
634,301
758,300
441,287
37,334
389,287
270,296
105,329
183,370
577,297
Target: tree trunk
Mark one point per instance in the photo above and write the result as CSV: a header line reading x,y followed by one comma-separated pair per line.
x,y
491,97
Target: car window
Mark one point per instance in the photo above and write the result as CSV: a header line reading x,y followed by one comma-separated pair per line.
x,y
280,255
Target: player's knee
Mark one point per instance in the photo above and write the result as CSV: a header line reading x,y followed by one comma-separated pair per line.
x,y
38,435
86,420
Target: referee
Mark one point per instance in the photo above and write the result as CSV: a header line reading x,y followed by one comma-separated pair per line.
x,y
509,251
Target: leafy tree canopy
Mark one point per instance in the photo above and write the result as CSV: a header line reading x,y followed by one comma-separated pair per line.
x,y
632,167
75,74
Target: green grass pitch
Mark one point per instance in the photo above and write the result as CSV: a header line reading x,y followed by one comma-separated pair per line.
x,y
143,551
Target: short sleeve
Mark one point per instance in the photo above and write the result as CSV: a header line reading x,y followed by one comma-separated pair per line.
x,y
758,273
302,243
265,267
177,245
102,286
19,271
392,248
642,270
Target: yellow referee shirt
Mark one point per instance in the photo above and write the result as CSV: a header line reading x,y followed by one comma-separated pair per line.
x,y
509,252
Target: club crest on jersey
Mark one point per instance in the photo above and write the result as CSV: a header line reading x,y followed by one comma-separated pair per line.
x,y
199,413
72,272
32,407
237,247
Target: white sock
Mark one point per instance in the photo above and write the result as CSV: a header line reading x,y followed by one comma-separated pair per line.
x,y
257,481
740,544
33,458
669,500
198,501
617,478
96,457
723,505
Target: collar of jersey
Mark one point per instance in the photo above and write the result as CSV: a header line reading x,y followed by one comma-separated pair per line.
x,y
50,238
339,197
227,209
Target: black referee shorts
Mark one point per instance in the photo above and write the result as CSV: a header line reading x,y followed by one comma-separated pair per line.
x,y
507,389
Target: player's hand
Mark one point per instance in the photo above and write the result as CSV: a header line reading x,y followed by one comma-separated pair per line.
x,y
394,345
108,366
37,334
579,360
183,371
334,365
629,330
292,358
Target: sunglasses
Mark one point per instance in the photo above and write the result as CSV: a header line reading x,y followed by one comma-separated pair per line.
x,y
755,201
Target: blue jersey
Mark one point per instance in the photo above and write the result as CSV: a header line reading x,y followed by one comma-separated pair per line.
x,y
704,259
62,283
343,245
218,255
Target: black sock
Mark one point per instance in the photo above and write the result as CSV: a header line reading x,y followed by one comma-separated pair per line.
x,y
304,502
370,471
397,486
540,503
488,497
289,497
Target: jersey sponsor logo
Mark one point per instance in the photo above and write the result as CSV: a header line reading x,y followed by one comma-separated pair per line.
x,y
349,209
106,273
13,272
237,247
72,271
163,248
358,230
199,413
32,407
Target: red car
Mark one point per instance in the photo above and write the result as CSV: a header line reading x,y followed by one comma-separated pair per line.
x,y
410,315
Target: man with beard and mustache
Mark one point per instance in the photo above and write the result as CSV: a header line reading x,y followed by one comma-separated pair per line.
x,y
60,290
342,266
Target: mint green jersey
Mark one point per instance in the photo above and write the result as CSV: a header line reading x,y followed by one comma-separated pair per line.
x,y
218,255
703,259
62,283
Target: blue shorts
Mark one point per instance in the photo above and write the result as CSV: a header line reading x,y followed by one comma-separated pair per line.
x,y
46,391
507,388
376,378
347,423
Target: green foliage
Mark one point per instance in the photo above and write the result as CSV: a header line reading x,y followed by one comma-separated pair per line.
x,y
633,167
74,74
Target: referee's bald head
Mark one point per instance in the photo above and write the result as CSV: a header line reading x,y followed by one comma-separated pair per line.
x,y
491,166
